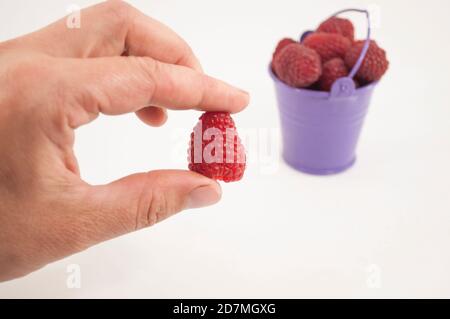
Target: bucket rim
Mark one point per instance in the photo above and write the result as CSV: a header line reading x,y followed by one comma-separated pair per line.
x,y
317,94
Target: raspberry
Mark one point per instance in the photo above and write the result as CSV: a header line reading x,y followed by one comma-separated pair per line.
x,y
328,45
281,45
215,148
332,70
374,65
340,26
297,65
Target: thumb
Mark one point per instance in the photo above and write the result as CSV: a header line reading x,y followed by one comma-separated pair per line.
x,y
142,200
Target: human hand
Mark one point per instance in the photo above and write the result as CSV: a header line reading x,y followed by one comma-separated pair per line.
x,y
58,79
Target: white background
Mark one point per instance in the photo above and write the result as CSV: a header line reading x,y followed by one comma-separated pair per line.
x,y
381,229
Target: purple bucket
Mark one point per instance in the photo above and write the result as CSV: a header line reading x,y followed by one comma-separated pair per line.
x,y
321,129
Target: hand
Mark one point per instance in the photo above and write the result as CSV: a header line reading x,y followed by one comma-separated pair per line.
x,y
57,79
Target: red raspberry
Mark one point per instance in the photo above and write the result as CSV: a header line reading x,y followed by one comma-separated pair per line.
x,y
281,45
374,65
328,45
332,70
340,26
297,65
215,148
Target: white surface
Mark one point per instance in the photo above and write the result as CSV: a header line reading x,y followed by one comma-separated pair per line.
x,y
380,230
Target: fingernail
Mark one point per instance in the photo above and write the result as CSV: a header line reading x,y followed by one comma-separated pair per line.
x,y
204,196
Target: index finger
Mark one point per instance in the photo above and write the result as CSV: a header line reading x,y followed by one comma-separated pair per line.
x,y
119,85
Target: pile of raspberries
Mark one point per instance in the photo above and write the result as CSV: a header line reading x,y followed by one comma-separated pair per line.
x,y
326,55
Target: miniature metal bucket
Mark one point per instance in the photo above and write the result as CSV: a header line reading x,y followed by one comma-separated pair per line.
x,y
321,129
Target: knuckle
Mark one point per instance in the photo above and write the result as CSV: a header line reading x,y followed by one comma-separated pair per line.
x,y
152,206
121,10
157,209
117,5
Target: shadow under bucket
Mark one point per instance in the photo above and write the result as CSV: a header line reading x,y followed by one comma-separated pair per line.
x,y
320,130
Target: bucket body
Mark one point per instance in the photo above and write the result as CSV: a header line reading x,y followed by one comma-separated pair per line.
x,y
320,131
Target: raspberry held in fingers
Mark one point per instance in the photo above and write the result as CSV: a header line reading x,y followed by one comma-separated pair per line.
x,y
215,149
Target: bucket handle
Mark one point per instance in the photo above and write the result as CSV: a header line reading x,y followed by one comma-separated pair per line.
x,y
345,87
366,44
